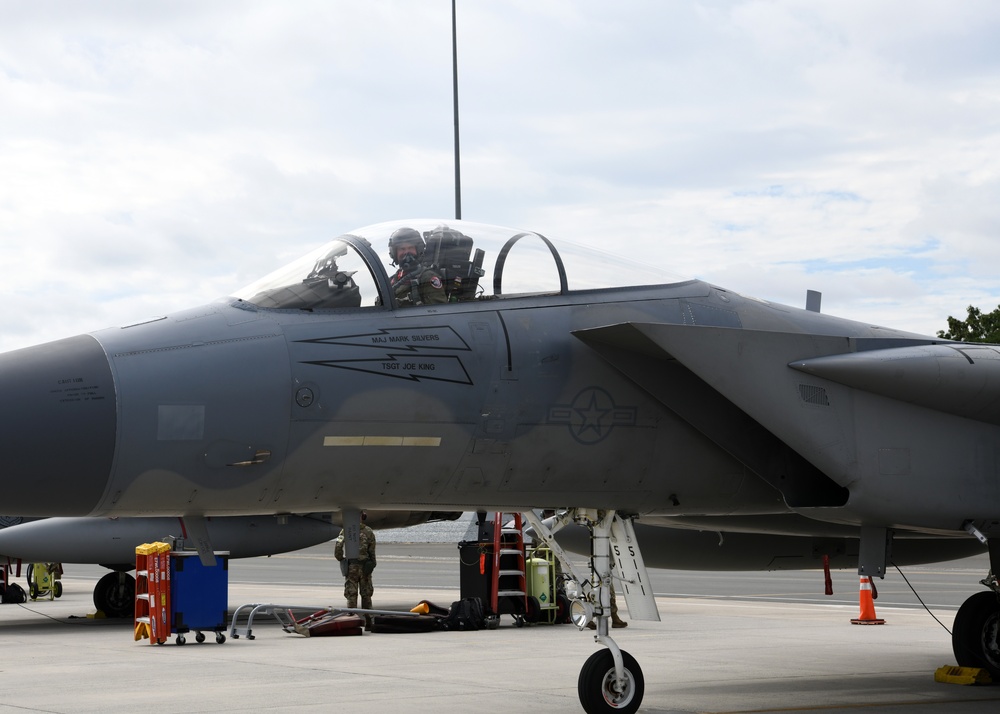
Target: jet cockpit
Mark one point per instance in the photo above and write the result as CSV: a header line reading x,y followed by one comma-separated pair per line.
x,y
475,261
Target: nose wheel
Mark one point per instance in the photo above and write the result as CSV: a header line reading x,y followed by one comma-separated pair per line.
x,y
599,689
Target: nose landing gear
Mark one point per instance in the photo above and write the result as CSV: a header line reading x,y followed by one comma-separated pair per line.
x,y
611,679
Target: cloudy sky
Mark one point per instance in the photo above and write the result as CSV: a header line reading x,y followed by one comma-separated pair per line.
x,y
157,155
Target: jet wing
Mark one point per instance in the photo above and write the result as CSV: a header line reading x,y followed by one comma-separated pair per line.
x,y
807,411
686,369
956,378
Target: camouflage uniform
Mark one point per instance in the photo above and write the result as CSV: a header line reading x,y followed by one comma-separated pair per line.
x,y
357,580
419,286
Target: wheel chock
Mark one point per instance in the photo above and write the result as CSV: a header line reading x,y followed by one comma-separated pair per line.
x,y
962,675
142,631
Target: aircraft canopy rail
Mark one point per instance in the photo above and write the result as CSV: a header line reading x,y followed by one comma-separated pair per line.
x,y
353,271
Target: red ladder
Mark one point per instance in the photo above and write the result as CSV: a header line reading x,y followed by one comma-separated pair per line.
x,y
152,592
508,550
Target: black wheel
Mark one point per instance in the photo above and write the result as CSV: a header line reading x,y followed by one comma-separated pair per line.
x,y
199,638
33,591
219,638
181,640
975,636
57,589
533,610
562,609
596,686
114,595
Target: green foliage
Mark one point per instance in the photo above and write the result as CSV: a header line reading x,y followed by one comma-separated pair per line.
x,y
977,328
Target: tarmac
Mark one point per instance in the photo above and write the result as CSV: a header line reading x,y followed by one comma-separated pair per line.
x,y
705,655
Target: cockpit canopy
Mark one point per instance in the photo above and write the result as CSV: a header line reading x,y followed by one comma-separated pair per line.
x,y
475,262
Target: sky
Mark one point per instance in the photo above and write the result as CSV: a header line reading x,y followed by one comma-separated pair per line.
x,y
158,155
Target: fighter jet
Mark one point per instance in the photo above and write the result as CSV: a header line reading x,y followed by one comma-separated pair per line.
x,y
481,367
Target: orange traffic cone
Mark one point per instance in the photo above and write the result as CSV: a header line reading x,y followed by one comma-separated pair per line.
x,y
867,616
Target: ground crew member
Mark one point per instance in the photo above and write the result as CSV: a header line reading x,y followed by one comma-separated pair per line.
x,y
413,283
358,571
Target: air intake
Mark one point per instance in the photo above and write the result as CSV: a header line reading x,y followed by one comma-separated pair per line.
x,y
814,395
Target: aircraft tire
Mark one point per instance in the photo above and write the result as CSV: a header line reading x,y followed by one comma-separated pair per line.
x,y
114,598
976,633
595,685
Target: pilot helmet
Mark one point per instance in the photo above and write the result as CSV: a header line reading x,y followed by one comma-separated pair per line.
x,y
403,236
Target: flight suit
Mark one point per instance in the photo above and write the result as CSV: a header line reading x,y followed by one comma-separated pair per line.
x,y
419,286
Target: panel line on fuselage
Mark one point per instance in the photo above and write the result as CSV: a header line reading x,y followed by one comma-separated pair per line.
x,y
374,440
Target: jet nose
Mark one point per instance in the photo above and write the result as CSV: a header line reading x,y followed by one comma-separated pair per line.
x,y
57,428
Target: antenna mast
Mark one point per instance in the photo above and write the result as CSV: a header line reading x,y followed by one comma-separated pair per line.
x,y
454,75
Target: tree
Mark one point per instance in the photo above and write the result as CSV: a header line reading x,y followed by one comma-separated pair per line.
x,y
977,328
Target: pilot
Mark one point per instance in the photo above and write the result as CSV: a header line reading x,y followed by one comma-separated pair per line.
x,y
358,571
413,283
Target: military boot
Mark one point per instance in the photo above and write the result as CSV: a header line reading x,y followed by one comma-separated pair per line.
x,y
366,604
615,620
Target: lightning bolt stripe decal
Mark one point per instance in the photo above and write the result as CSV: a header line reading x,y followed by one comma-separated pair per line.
x,y
400,338
440,368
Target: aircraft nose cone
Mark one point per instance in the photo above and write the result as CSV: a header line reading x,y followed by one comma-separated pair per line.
x,y
57,428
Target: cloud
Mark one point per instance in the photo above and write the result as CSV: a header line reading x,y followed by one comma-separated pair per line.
x,y
156,155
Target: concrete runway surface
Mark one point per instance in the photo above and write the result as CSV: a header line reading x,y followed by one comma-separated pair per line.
x,y
727,642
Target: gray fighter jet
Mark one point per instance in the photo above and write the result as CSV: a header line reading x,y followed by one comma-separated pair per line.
x,y
499,369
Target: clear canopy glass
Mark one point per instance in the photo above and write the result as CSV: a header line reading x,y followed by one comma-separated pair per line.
x,y
476,261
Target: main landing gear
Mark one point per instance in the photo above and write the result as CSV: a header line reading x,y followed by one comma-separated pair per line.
x,y
611,679
114,594
975,636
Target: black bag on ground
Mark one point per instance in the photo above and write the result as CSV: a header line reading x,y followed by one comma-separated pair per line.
x,y
13,594
465,614
404,623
